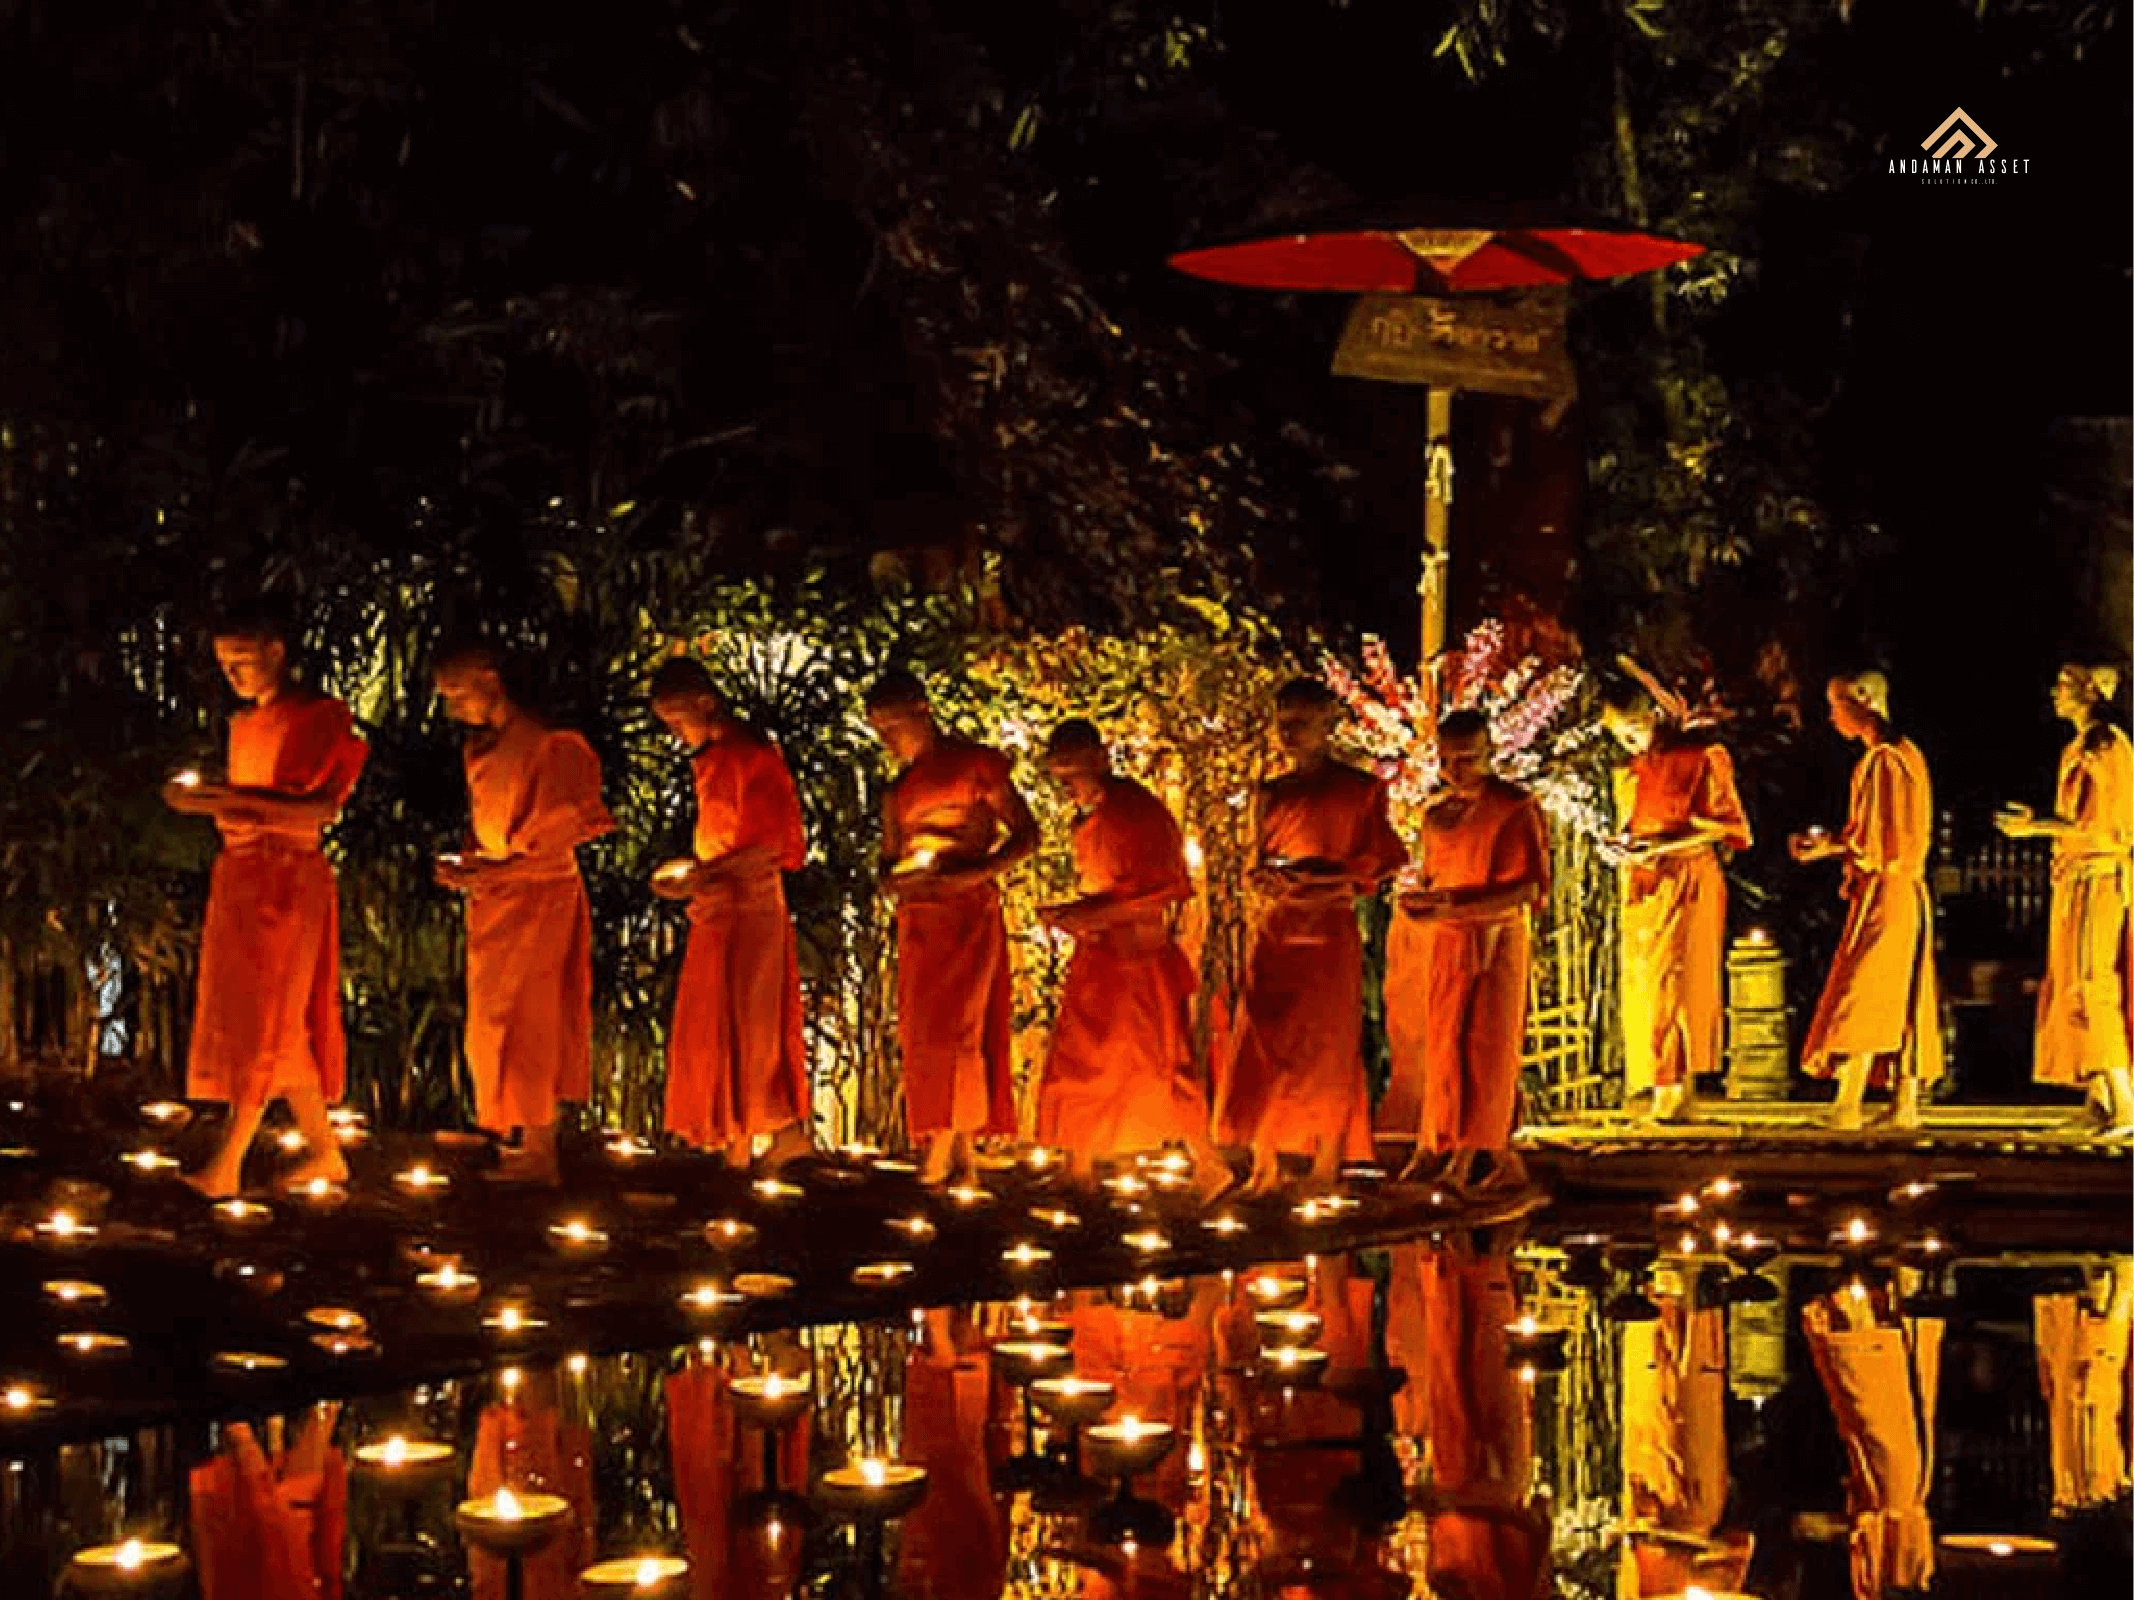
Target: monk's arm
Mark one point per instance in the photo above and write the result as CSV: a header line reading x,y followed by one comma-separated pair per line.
x,y
1018,839
285,813
1483,903
1113,906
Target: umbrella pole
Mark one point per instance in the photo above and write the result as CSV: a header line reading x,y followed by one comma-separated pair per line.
x,y
1437,522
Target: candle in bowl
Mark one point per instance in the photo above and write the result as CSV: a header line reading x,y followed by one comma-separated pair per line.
x,y
1929,1249
513,1321
1750,1250
166,1114
421,1180
1272,1293
1126,1186
635,1578
95,1346
673,871
771,1399
1855,1238
708,1300
448,1284
1293,1365
776,1191
872,1488
1129,1447
881,1274
248,1363
64,1229
1227,1226
75,1294
337,1319
345,1347
1278,1328
764,1285
629,1147
1028,1325
2008,1557
1024,1360
150,1162
405,1464
915,1228
1041,1160
1072,1401
577,1238
322,1194
1146,1241
730,1234
969,1196
512,1521
1023,1255
21,1401
1057,1218
133,1567
242,1216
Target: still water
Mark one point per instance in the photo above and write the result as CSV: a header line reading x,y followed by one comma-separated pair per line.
x,y
1498,1414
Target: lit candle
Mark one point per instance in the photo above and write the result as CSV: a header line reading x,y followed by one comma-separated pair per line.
x,y
421,1179
1147,1241
95,1346
577,1237
150,1161
22,1400
1288,1327
512,1522
186,777
321,1195
881,1274
872,1488
969,1195
450,1284
1129,1446
1226,1226
1024,1255
243,1216
75,1292
1126,1185
771,1399
637,1577
708,1299
1277,1294
345,1346
403,1459
629,1147
1073,1400
63,1227
1023,1360
1039,1159
776,1190
337,1319
764,1285
1293,1362
730,1234
247,1363
916,1228
1056,1218
513,1321
131,1567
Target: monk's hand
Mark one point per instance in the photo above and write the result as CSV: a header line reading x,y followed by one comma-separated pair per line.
x,y
677,880
1425,904
454,872
195,799
1814,845
2016,820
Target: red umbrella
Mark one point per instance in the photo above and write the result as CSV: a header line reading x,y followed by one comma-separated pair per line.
x,y
1465,260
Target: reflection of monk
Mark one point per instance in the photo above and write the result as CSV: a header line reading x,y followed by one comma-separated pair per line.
x,y
1880,1015
1119,1073
1488,1538
1462,988
717,1459
1678,810
1674,1449
1295,1079
952,823
535,796
272,1530
524,1444
956,1540
267,1014
736,1060
1882,1382
2084,1006
2082,1367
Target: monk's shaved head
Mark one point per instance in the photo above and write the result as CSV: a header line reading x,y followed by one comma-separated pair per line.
x,y
1306,694
1077,736
896,690
683,678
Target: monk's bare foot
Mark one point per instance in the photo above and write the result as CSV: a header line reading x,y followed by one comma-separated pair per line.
x,y
1212,1181
1846,1118
1671,1102
1265,1178
1903,1110
1424,1166
789,1143
210,1184
939,1162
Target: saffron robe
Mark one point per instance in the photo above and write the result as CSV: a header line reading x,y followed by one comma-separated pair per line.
x,y
2082,1369
1882,1384
526,1444
1295,1072
717,1460
1674,914
953,1016
1456,990
2084,1004
736,1059
267,1012
1880,998
271,1530
535,794
955,1544
1119,1072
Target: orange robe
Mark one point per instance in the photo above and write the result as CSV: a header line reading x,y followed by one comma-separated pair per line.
x,y
267,1014
1880,998
2082,1368
1295,1074
1119,1073
535,794
955,1544
1674,1451
1456,991
1674,914
953,1018
2084,1007
717,1459
1486,1535
271,1530
524,1444
736,1060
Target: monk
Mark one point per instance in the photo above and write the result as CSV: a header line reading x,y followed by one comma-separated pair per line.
x,y
1295,1081
271,1528
535,795
267,1014
1880,1016
2082,1349
1482,865
1679,812
2084,1012
952,824
736,1060
1118,1075
533,1439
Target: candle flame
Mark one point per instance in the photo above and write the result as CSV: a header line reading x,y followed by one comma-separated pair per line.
x,y
508,1508
774,1387
18,1398
1196,1458
647,1573
63,1223
130,1555
1130,1429
2001,1547
874,1472
1196,858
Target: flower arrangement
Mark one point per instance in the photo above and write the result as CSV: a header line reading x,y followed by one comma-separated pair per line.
x,y
1530,689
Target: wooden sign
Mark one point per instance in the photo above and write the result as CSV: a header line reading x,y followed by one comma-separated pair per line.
x,y
1494,344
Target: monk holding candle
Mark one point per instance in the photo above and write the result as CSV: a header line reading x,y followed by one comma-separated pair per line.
x,y
2084,1011
1119,1074
267,1014
736,1061
1679,810
534,792
952,823
1295,1081
1880,1016
1482,865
